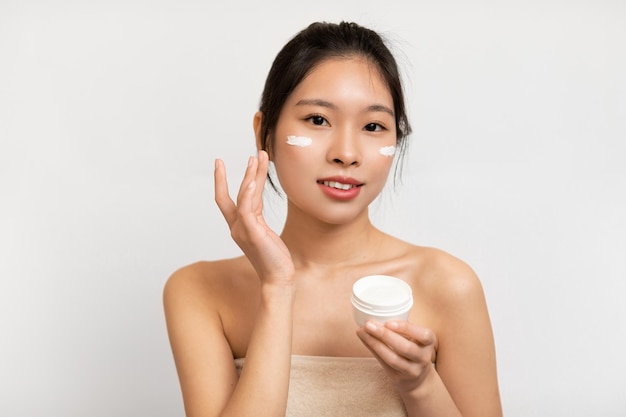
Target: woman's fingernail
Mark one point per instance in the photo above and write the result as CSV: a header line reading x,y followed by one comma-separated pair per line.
x,y
392,325
370,326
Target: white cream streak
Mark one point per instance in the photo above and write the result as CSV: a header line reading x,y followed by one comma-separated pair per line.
x,y
387,150
299,141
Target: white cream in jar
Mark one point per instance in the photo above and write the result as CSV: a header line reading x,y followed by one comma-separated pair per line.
x,y
381,298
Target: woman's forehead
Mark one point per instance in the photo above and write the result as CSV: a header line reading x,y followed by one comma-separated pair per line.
x,y
339,81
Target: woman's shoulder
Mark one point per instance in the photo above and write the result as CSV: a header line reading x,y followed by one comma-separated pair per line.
x,y
209,279
442,274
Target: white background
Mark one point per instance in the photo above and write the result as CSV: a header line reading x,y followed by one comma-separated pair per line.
x,y
112,112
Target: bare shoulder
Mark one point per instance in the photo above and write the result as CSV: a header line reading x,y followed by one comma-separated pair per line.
x,y
207,282
449,300
447,279
198,300
450,295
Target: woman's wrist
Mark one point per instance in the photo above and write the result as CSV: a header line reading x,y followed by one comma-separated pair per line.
x,y
429,384
430,398
278,291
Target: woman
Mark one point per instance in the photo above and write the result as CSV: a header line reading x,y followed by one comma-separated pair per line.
x,y
271,333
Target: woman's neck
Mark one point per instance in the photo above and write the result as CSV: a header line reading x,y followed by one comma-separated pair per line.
x,y
314,243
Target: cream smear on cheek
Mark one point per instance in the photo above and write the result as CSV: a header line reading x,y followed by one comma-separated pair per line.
x,y
299,141
387,150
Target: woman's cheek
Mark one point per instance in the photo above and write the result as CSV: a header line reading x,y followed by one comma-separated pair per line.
x,y
299,141
388,151
293,156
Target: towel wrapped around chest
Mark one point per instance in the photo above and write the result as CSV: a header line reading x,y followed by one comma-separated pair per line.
x,y
339,386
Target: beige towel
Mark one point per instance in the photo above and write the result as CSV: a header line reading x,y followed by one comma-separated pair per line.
x,y
337,387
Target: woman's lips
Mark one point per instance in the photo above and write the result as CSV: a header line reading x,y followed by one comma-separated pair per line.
x,y
340,188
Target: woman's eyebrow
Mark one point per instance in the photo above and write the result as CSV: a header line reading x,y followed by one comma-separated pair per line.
x,y
381,108
328,104
316,102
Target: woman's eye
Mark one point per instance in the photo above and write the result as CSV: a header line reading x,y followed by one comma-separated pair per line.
x,y
318,120
373,127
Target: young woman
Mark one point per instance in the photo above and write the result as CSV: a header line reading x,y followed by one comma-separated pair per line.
x,y
271,333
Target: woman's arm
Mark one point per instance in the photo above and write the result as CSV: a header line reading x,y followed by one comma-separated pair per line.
x,y
204,359
202,353
464,381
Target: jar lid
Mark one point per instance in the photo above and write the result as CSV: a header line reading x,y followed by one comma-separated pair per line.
x,y
382,294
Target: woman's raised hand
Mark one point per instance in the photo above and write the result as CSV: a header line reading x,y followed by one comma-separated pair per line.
x,y
263,247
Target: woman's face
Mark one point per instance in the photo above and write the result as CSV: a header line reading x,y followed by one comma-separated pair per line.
x,y
335,140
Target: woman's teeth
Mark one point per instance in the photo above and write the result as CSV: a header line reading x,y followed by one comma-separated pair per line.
x,y
338,185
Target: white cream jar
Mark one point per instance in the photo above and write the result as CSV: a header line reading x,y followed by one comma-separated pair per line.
x,y
381,298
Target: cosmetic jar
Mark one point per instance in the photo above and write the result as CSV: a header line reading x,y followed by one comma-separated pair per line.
x,y
381,298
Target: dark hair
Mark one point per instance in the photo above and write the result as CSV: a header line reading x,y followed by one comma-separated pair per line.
x,y
314,44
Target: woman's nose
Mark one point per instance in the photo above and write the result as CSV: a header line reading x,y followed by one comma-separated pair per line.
x,y
344,149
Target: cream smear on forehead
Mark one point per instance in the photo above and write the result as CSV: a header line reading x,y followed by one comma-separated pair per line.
x,y
299,141
387,150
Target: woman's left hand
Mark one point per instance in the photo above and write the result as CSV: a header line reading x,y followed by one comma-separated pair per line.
x,y
406,351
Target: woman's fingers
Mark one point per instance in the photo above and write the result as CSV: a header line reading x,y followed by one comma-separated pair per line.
x,y
404,350
250,197
263,247
249,204
419,335
247,182
399,343
222,198
260,178
372,343
387,347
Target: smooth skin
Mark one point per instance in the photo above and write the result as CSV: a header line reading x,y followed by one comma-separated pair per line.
x,y
289,294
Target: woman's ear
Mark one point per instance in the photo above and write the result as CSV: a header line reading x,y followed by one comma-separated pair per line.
x,y
256,123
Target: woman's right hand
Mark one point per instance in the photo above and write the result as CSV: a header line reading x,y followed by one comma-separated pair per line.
x,y
263,247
